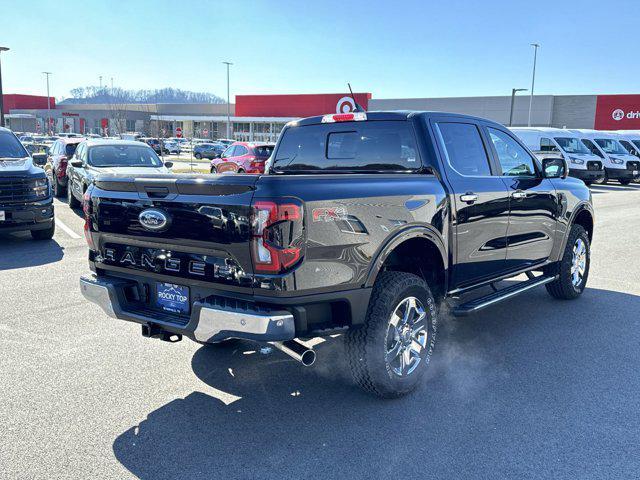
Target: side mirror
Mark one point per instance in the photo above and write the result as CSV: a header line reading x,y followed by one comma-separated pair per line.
x,y
555,167
168,164
76,163
39,159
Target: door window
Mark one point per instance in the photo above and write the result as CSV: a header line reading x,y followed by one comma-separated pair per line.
x,y
229,152
514,160
464,149
239,151
547,145
592,148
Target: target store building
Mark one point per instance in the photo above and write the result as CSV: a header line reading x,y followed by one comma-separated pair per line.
x,y
256,117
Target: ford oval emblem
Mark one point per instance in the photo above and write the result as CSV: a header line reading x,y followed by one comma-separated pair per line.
x,y
154,220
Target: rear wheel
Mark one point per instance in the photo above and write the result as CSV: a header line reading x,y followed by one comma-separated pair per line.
x,y
390,353
213,170
588,183
44,234
240,170
573,268
198,156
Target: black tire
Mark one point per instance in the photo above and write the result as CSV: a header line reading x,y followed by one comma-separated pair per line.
x,y
198,156
240,171
58,190
370,347
214,170
625,182
564,286
44,234
71,199
588,183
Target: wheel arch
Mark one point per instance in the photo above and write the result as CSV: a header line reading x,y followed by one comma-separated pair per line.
x,y
418,250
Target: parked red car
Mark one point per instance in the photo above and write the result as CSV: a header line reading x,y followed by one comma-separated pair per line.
x,y
56,167
243,157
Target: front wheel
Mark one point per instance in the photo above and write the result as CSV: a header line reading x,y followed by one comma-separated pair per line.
x,y
198,156
46,234
213,170
573,268
71,199
390,353
625,182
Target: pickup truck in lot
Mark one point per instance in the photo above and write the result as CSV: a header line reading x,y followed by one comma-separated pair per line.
x,y
363,225
26,201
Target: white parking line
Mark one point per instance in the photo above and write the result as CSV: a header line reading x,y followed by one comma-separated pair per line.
x,y
66,229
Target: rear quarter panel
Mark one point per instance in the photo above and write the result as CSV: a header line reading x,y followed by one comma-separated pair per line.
x,y
349,218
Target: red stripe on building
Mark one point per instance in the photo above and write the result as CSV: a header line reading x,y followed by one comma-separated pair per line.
x,y
296,105
617,112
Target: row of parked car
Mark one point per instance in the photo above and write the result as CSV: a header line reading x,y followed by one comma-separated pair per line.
x,y
593,156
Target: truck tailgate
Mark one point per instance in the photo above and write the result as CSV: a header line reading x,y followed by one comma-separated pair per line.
x,y
183,226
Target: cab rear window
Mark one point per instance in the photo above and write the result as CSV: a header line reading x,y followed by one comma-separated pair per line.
x,y
348,146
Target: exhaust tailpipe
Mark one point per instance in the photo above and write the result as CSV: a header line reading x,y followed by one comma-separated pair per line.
x,y
297,351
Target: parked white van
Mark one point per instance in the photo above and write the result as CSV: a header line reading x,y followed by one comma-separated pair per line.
x,y
619,164
582,163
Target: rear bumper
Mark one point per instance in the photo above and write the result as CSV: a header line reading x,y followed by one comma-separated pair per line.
x,y
586,175
29,216
217,315
208,323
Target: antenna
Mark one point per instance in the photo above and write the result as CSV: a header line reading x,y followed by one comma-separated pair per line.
x,y
358,106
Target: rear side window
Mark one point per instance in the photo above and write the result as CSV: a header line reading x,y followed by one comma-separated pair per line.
x,y
464,149
362,146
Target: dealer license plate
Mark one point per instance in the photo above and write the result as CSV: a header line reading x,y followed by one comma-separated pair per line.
x,y
172,298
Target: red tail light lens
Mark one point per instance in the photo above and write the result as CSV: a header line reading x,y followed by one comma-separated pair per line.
x,y
277,235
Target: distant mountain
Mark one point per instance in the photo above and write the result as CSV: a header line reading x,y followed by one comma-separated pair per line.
x,y
118,95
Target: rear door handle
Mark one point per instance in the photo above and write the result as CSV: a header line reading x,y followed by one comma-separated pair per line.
x,y
469,197
519,195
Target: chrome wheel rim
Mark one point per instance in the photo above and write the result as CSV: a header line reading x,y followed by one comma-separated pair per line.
x,y
406,337
578,262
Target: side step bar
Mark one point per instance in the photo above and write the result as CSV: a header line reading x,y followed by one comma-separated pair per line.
x,y
500,295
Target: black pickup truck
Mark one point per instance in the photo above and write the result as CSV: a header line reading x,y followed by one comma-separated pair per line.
x,y
365,223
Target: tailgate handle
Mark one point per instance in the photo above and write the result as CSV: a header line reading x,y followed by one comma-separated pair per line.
x,y
156,192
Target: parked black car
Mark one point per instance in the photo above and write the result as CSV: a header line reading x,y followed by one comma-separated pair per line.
x,y
208,150
26,202
365,223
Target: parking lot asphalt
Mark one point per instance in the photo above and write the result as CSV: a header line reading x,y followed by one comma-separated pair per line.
x,y
532,388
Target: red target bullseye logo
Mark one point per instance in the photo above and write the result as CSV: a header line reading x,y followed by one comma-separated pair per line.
x,y
345,105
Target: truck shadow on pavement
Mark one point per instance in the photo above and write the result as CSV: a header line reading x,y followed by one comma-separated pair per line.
x,y
533,383
18,250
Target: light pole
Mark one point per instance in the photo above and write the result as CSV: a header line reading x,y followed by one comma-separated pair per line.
x,y
2,49
513,97
228,64
48,105
533,79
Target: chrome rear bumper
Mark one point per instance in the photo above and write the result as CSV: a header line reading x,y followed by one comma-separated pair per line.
x,y
208,323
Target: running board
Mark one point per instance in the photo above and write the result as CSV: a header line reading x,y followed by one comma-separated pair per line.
x,y
500,295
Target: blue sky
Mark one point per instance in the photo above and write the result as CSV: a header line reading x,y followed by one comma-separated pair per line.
x,y
391,49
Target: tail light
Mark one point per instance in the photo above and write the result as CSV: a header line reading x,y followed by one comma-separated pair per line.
x,y
277,235
86,208
62,167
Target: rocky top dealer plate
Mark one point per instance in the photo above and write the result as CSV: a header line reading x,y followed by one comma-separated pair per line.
x,y
172,298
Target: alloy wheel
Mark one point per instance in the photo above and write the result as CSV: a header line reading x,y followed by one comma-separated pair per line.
x,y
406,337
578,262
